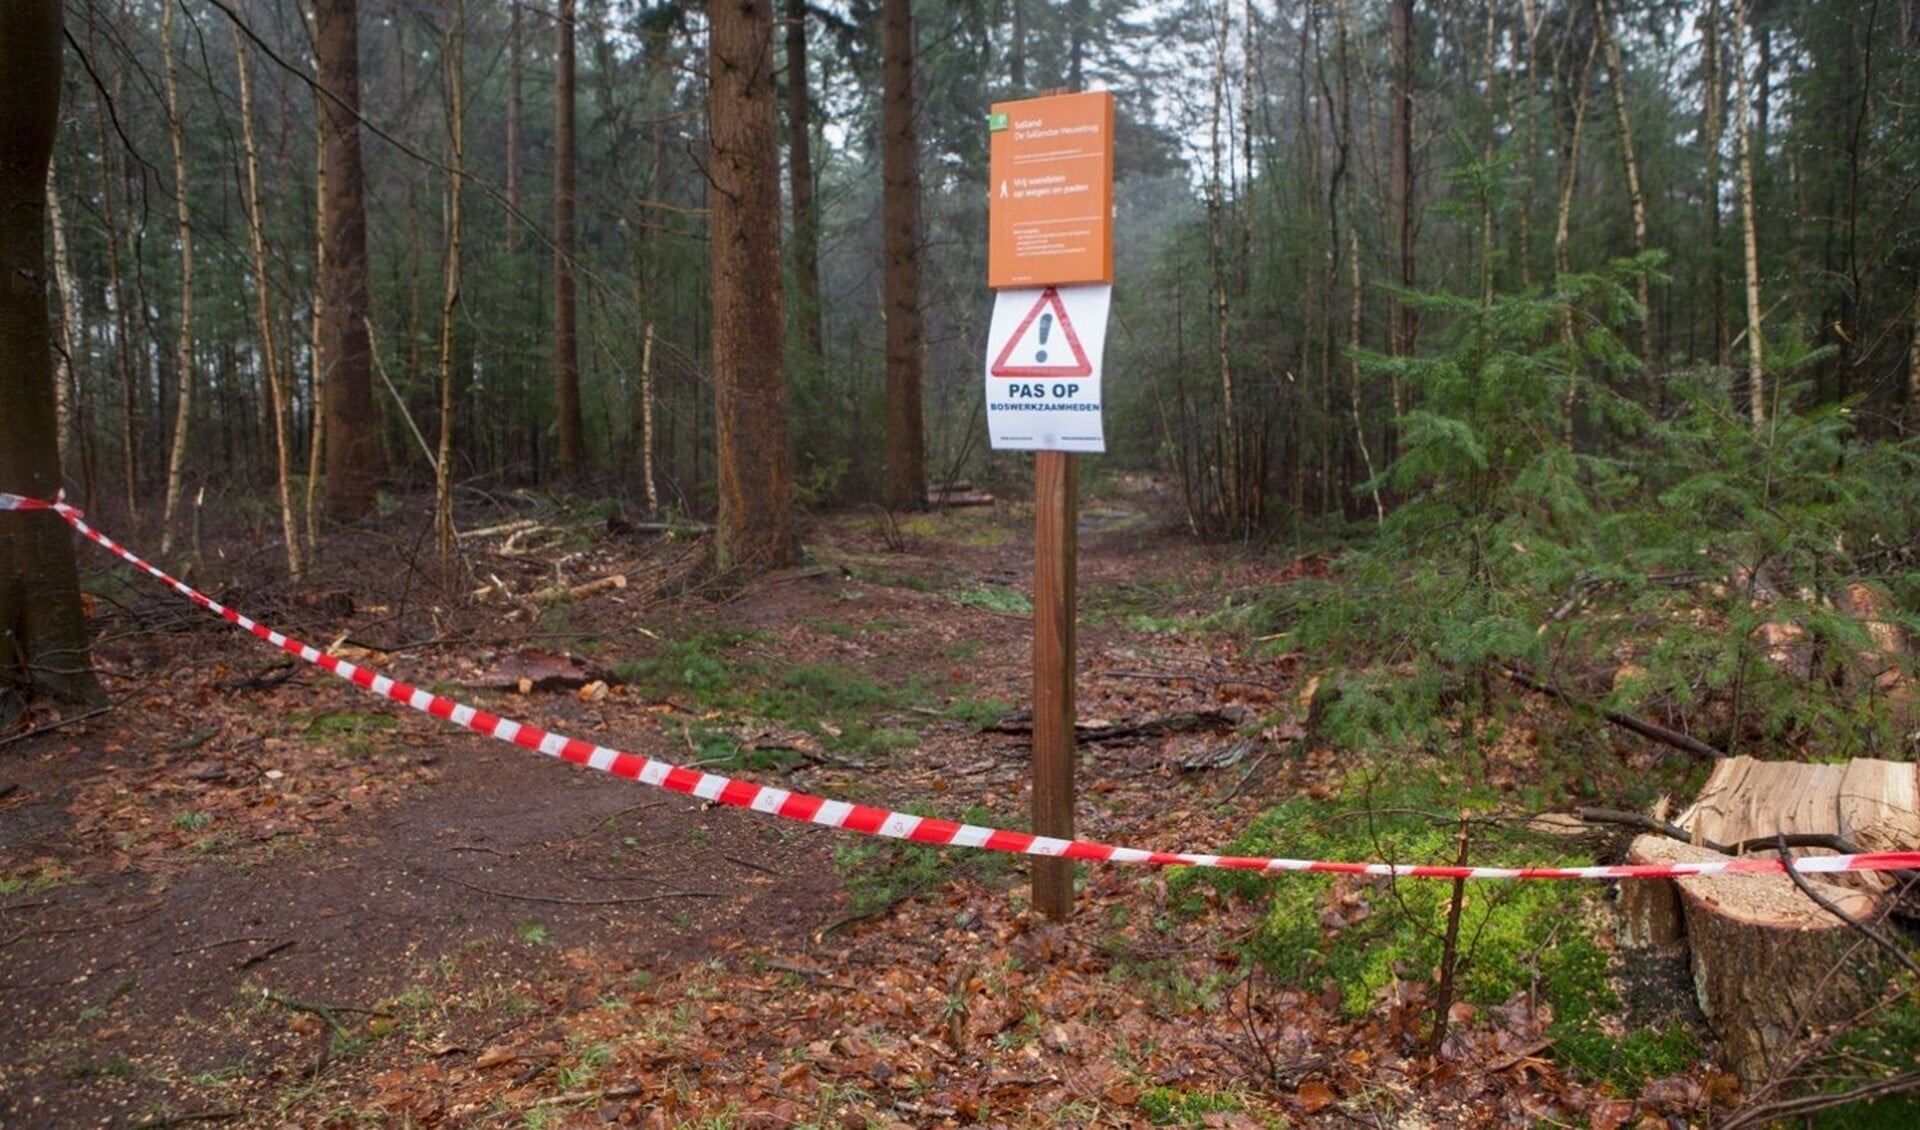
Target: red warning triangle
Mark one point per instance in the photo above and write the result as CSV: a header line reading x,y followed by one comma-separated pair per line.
x,y
1076,365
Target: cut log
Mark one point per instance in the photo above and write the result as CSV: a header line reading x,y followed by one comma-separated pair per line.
x,y
1768,963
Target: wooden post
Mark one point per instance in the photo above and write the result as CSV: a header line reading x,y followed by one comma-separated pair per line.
x,y
1055,540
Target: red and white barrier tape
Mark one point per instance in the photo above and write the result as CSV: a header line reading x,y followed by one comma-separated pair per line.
x,y
900,825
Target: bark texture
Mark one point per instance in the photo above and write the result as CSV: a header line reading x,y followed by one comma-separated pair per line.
x,y
566,340
1770,964
906,340
450,293
754,531
1749,235
1630,168
515,66
805,235
346,350
279,384
183,345
1406,319
43,634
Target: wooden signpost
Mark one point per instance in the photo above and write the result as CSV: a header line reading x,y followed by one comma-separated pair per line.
x,y
1050,224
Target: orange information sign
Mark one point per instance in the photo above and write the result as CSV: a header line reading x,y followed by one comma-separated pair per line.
x,y
1050,221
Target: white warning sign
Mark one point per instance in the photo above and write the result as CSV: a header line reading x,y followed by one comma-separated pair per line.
x,y
1043,368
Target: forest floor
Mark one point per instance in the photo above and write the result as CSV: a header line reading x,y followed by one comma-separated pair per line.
x,y
250,894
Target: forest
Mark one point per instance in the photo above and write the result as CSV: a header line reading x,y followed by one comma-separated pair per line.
x,y
1309,197
1512,418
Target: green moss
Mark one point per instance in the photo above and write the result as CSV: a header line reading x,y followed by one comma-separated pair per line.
x,y
1005,601
1166,1106
1362,935
977,713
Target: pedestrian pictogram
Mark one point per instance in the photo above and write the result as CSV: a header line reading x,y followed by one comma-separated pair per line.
x,y
1050,161
1045,344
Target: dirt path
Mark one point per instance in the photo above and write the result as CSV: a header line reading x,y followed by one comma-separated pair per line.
x,y
123,985
252,900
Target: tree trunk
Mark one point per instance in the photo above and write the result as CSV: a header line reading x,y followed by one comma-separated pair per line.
x,y
754,531
1530,128
118,298
1636,198
1913,370
1227,463
1712,73
906,440
450,298
646,423
1347,190
806,224
1749,239
1768,962
43,633
1563,230
1406,320
279,388
516,53
1489,155
116,295
66,381
345,345
566,342
316,349
183,348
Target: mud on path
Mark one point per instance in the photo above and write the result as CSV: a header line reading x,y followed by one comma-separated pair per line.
x,y
251,895
119,982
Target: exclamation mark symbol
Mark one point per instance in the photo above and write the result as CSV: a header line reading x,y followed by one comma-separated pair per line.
x,y
1046,326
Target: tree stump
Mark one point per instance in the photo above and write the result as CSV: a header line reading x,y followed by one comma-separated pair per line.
x,y
1768,963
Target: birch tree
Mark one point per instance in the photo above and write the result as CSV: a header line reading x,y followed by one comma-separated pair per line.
x,y
183,342
279,386
456,56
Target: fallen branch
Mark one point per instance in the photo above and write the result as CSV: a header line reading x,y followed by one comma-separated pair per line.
x,y
1202,677
503,528
511,547
752,866
1886,944
575,592
267,678
572,1097
1021,722
255,959
54,725
219,944
1686,743
325,1012
1827,840
1768,1114
182,1119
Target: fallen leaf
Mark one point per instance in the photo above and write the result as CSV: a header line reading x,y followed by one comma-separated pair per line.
x,y
1314,1097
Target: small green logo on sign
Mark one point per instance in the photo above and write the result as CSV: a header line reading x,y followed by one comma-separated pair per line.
x,y
996,122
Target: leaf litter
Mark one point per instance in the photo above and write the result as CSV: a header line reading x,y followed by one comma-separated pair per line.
x,y
480,937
